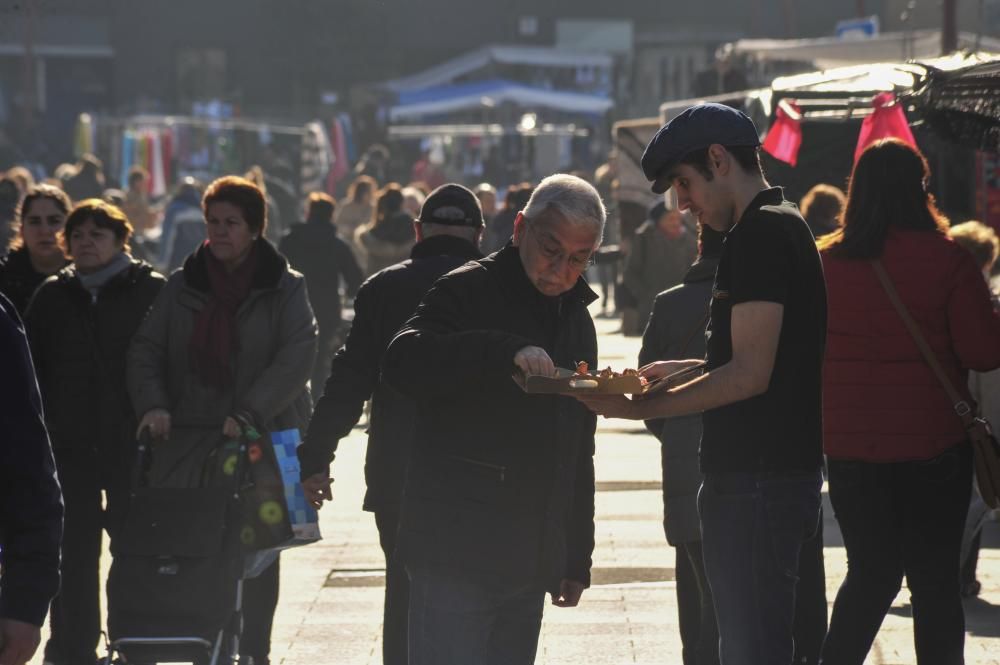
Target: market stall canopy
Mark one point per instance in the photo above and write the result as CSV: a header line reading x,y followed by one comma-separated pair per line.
x,y
484,94
963,106
829,52
536,56
833,94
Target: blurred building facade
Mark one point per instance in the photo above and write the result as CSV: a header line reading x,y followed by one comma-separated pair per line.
x,y
290,58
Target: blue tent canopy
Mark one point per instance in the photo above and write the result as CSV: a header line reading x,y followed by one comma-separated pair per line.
x,y
479,94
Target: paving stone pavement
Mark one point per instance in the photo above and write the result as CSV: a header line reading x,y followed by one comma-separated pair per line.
x,y
630,619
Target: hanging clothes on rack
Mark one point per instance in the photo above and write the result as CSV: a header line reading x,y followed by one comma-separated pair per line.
x,y
341,166
316,163
167,154
83,136
128,154
157,182
349,143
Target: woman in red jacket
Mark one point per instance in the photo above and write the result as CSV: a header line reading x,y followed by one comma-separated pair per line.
x,y
900,465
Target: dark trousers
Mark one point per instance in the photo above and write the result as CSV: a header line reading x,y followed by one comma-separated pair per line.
x,y
397,591
810,625
328,342
260,599
753,528
75,615
458,619
903,518
695,608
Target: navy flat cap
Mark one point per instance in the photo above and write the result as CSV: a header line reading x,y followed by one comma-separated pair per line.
x,y
695,128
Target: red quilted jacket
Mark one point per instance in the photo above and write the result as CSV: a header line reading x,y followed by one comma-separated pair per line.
x,y
881,402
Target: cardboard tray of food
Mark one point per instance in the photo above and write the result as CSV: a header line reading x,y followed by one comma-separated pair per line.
x,y
604,382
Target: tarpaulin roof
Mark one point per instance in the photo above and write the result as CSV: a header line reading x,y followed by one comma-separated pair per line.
x,y
828,52
448,71
479,94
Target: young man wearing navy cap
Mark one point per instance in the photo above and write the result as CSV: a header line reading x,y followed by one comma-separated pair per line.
x,y
761,447
448,232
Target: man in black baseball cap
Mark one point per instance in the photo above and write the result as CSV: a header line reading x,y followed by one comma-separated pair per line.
x,y
448,232
761,446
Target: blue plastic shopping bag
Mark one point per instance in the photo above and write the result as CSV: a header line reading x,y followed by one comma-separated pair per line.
x,y
304,519
302,516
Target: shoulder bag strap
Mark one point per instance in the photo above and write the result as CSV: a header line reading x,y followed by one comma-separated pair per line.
x,y
961,407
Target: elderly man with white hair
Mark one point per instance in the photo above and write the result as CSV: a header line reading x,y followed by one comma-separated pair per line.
x,y
498,507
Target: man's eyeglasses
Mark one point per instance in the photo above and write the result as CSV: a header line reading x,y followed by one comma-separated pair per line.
x,y
556,255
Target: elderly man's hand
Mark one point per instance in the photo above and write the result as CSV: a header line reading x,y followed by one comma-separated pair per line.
x,y
317,489
535,360
569,594
18,641
611,406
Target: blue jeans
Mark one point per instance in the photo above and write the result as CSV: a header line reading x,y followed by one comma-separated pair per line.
x,y
460,619
753,526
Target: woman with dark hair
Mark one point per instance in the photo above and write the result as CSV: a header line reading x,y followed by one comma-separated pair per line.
x,y
10,196
389,237
35,250
230,341
79,324
900,464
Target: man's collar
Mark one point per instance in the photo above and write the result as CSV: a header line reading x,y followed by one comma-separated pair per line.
x,y
445,245
770,196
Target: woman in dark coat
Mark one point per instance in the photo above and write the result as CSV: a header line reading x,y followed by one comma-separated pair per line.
x,y
80,324
389,237
35,252
899,459
229,342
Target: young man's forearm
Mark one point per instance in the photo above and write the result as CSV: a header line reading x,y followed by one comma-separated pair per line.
x,y
724,385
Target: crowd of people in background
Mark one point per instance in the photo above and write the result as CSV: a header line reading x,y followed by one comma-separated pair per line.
x,y
225,304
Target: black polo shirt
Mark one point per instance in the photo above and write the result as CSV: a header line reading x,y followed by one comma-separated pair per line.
x,y
770,255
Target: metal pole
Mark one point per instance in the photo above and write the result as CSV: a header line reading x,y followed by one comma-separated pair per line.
x,y
949,27
29,101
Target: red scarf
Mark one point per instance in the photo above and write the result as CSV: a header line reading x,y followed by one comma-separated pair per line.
x,y
214,339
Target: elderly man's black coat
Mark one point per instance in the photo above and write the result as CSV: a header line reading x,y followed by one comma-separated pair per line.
x,y
501,483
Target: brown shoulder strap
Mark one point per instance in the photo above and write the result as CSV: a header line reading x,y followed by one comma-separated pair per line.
x,y
961,407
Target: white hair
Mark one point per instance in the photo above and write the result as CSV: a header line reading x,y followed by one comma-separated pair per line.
x,y
571,198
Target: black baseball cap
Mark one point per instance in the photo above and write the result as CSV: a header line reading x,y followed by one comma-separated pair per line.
x,y
694,129
451,205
